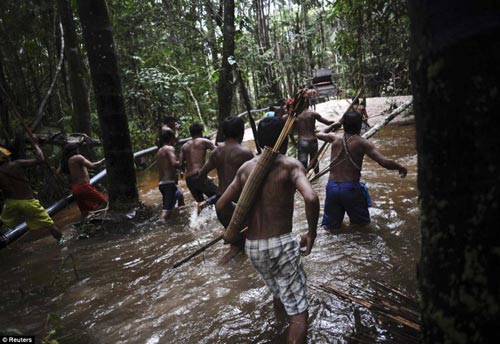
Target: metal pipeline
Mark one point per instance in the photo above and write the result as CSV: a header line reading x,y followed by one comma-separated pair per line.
x,y
21,229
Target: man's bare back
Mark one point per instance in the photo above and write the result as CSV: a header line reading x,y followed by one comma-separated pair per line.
x,y
193,154
272,212
78,166
228,158
342,169
13,181
167,163
305,124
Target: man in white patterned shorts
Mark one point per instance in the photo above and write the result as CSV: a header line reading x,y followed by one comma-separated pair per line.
x,y
274,253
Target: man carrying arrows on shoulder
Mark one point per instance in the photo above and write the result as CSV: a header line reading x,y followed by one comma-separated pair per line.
x,y
272,249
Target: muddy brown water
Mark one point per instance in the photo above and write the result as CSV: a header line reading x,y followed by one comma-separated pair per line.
x,y
128,292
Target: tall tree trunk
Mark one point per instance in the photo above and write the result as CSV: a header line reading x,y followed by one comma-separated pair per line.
x,y
272,84
76,71
6,130
98,37
455,78
225,85
212,18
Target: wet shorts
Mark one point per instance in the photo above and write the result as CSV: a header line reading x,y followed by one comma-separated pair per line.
x,y
198,187
15,211
306,148
342,197
278,261
87,197
170,194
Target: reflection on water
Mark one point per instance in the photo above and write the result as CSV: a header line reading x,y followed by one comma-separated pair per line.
x,y
128,292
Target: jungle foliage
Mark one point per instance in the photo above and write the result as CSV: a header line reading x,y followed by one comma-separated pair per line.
x,y
169,55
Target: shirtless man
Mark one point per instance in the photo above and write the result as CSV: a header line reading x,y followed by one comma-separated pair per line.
x,y
273,251
86,196
305,125
192,159
167,165
312,95
169,124
227,159
360,106
344,192
20,203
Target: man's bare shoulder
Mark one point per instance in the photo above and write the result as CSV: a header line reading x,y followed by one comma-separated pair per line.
x,y
288,161
166,149
248,165
76,159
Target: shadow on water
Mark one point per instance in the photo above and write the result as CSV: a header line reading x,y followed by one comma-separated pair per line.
x,y
129,293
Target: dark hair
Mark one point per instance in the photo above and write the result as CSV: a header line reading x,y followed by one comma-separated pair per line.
x,y
69,150
281,101
352,122
166,136
269,130
233,127
169,119
355,101
196,129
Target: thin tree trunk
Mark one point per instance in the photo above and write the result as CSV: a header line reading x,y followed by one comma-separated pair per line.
x,y
225,85
79,90
455,74
39,114
98,37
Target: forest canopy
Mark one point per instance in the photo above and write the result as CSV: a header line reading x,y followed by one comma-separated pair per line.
x,y
170,52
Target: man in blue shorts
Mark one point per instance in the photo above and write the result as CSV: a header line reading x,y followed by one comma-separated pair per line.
x,y
270,246
344,192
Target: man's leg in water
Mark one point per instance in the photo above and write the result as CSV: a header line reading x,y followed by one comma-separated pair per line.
x,y
180,198
56,233
297,330
164,215
234,249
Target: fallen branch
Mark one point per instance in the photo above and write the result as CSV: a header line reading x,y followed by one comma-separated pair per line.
x,y
201,249
386,308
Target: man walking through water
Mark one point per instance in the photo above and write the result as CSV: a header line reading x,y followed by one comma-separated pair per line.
x,y
227,159
274,253
344,192
167,165
192,160
86,196
305,125
20,203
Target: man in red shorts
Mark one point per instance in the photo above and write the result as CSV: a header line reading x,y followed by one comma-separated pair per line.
x,y
87,198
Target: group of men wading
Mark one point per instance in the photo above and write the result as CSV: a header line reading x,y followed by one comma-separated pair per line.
x,y
269,243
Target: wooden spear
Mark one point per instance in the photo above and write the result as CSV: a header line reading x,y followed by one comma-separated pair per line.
x,y
373,130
